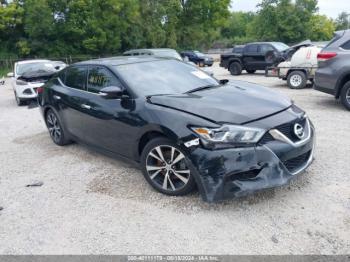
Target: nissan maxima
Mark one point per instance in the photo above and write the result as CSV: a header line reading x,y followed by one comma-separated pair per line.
x,y
184,128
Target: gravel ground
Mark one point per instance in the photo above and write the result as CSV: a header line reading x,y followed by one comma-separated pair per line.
x,y
92,204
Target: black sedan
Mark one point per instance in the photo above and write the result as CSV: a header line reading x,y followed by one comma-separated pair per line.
x,y
184,128
198,58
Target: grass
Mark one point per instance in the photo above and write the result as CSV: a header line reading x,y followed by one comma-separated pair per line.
x,y
4,71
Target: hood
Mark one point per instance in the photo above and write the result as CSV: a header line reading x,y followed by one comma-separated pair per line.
x,y
37,76
237,102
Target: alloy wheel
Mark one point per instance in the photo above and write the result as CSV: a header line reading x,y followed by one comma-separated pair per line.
x,y
167,168
347,96
54,127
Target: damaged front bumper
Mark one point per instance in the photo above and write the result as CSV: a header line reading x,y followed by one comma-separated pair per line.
x,y
236,172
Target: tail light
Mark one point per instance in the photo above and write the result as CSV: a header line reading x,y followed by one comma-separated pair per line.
x,y
324,56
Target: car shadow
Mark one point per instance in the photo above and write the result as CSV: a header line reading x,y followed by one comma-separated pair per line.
x,y
128,183
122,181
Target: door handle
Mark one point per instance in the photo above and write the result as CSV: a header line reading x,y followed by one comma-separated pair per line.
x,y
86,106
57,97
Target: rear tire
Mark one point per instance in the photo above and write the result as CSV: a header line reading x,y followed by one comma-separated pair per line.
x,y
56,129
345,95
201,64
161,160
297,80
251,71
235,68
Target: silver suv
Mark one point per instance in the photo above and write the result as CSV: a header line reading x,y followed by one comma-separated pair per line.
x,y
333,74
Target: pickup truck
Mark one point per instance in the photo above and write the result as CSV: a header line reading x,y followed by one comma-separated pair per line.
x,y
254,56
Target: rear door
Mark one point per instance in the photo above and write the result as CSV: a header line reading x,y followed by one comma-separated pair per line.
x,y
70,98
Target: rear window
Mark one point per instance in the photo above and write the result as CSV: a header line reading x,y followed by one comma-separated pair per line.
x,y
346,46
336,37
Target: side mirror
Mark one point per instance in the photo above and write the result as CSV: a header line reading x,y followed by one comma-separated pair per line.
x,y
224,81
10,74
111,92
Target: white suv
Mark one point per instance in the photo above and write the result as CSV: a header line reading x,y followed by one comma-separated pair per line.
x,y
29,75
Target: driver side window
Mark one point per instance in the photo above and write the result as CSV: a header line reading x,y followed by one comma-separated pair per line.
x,y
266,48
100,77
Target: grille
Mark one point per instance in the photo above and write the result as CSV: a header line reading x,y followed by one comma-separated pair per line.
x,y
266,138
295,163
288,129
244,176
27,91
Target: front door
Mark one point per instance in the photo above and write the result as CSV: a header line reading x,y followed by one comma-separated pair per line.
x,y
108,123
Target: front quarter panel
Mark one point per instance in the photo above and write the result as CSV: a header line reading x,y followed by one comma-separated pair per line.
x,y
171,122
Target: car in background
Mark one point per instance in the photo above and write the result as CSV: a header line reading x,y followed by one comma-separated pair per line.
x,y
31,74
159,52
198,58
299,65
182,127
162,52
255,56
333,73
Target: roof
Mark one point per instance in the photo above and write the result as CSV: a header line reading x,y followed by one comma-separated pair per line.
x,y
152,50
121,60
32,61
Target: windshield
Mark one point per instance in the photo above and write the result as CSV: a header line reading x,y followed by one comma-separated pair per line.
x,y
199,53
163,77
37,66
167,53
237,50
280,46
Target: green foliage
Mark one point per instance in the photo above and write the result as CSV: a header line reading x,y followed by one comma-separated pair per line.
x,y
322,28
283,20
66,27
56,28
343,21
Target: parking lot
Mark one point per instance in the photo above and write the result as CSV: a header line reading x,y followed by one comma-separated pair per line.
x,y
92,204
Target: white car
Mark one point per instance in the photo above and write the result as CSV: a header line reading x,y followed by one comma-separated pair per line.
x,y
29,75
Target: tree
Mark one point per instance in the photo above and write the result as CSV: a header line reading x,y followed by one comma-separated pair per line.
x,y
11,24
200,22
283,20
342,22
321,28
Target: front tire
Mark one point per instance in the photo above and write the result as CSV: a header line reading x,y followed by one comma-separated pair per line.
x,y
345,95
19,101
235,69
55,128
297,80
165,167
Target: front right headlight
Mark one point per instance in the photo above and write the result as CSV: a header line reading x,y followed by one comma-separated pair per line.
x,y
229,135
21,82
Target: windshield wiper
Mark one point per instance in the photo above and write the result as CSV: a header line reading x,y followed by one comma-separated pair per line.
x,y
201,88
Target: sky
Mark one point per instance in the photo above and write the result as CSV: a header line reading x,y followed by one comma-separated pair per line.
x,y
330,8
